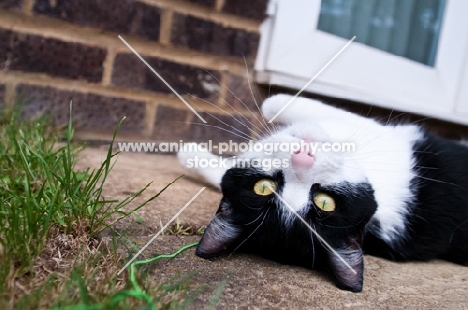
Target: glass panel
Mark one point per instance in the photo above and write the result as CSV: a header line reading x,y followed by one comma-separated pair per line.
x,y
407,28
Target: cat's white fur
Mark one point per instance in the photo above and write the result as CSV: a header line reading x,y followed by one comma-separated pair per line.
x,y
383,157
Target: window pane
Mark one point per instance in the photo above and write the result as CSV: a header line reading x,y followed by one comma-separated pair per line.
x,y
407,28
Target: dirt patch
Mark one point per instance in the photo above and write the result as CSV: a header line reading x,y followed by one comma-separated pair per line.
x,y
255,283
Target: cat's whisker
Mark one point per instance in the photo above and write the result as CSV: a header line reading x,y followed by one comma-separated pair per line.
x,y
245,137
265,125
235,96
369,111
390,148
457,227
246,224
371,169
371,155
438,181
429,153
407,122
224,123
222,110
319,221
364,133
389,117
313,245
391,121
429,168
248,206
421,120
249,236
357,130
216,106
246,107
241,116
386,120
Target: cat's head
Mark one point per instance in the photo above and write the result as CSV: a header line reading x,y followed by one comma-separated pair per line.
x,y
326,189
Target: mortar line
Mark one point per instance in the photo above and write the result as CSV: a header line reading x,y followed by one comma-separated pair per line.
x,y
219,5
108,66
162,79
150,117
28,6
62,84
10,94
166,26
206,13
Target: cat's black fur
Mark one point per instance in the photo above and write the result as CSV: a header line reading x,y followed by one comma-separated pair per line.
x,y
436,225
401,194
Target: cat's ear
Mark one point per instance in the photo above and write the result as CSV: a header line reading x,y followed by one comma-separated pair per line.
x,y
349,275
219,235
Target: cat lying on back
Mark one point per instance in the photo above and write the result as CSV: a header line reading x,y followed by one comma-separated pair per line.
x,y
401,194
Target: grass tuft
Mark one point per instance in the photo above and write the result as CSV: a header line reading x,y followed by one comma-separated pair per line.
x,y
182,229
51,217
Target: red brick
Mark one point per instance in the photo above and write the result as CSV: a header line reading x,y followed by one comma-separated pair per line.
x,y
90,111
130,72
248,8
120,16
222,127
174,124
210,3
11,4
241,96
2,94
206,36
5,50
53,57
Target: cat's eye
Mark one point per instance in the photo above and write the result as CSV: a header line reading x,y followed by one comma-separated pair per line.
x,y
324,202
264,187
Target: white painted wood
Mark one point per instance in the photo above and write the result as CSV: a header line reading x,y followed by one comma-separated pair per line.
x,y
266,30
462,99
297,51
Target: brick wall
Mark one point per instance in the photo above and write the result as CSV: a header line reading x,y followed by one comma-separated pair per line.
x,y
56,51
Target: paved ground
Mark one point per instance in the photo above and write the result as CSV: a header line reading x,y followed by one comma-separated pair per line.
x,y
255,283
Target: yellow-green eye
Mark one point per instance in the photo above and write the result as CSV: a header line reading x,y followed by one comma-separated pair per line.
x,y
264,186
324,202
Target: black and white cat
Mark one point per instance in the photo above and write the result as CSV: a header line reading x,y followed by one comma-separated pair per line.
x,y
401,194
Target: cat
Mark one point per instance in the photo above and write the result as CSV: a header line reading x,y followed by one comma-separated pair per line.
x,y
401,194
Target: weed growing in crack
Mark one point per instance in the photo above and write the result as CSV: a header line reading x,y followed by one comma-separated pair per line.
x,y
183,229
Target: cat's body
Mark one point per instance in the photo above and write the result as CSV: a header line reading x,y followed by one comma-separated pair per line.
x,y
401,193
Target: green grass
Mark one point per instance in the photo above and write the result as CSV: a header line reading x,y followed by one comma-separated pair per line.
x,y
40,189
49,211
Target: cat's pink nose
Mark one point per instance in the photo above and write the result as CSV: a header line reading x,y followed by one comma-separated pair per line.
x,y
302,158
